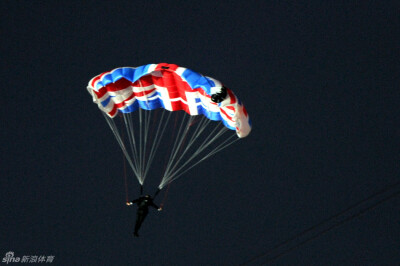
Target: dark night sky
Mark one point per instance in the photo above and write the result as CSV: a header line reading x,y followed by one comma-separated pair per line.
x,y
320,82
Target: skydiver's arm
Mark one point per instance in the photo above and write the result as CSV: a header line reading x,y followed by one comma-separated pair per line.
x,y
131,202
154,205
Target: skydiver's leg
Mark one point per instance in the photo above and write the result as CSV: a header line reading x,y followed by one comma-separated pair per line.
x,y
141,215
138,222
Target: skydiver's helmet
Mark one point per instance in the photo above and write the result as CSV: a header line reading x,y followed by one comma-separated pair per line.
x,y
220,96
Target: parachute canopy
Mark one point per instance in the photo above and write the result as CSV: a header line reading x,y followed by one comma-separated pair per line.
x,y
170,112
170,87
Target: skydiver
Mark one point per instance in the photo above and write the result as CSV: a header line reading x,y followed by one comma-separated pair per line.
x,y
142,211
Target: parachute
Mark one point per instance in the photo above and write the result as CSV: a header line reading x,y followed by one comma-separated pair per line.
x,y
164,107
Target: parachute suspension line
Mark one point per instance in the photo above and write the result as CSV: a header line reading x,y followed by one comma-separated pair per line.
x,y
203,146
199,129
157,139
165,196
182,136
171,137
114,129
174,148
147,116
125,179
222,146
155,194
125,174
144,125
219,148
140,145
131,136
198,118
207,142
167,171
134,145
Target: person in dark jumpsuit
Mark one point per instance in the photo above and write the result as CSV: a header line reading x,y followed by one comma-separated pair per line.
x,y
142,211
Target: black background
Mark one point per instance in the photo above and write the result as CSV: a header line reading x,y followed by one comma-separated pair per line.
x,y
319,80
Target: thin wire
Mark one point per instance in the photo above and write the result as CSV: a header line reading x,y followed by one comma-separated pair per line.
x,y
325,221
335,225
